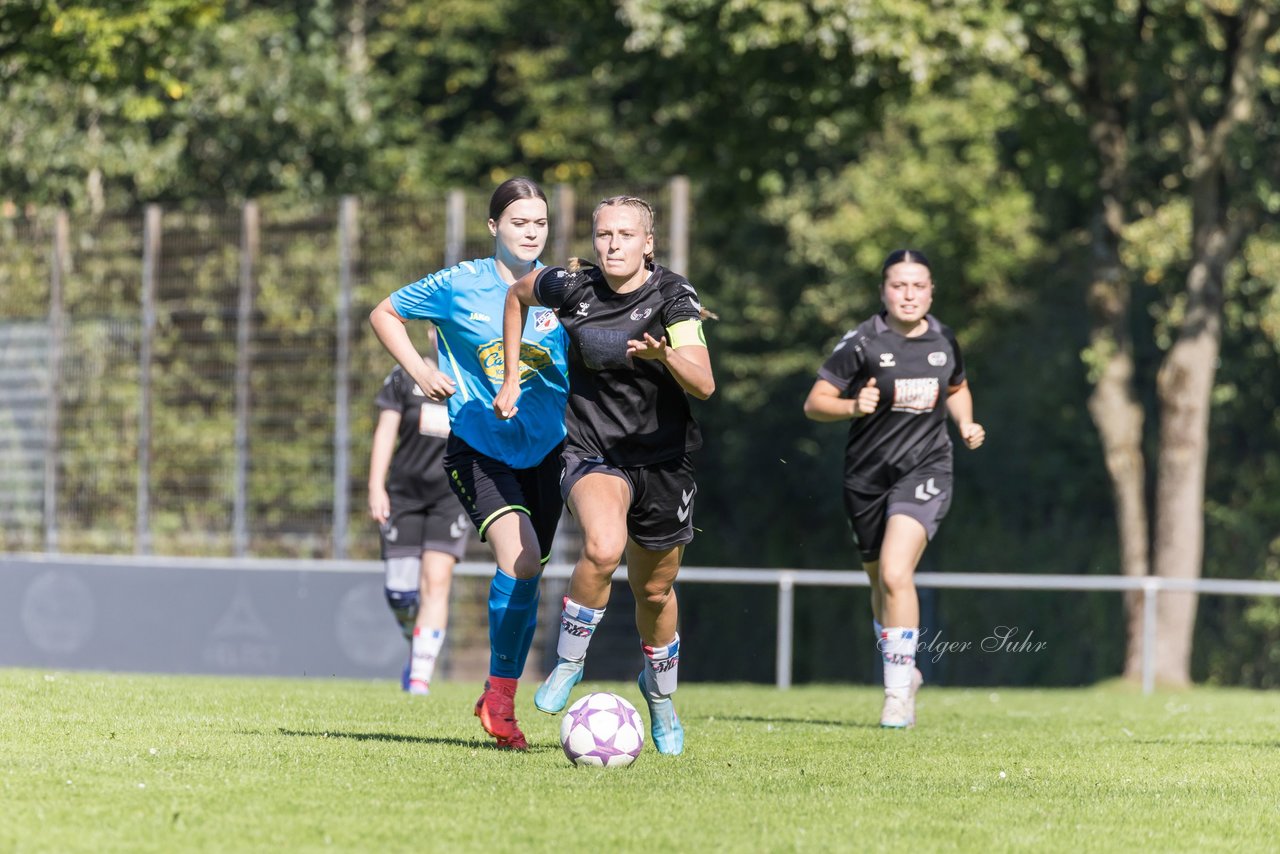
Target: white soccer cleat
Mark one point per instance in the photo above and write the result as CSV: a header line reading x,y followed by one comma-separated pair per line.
x,y
897,712
900,704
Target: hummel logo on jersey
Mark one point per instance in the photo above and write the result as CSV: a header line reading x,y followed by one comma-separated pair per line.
x,y
886,360
641,315
480,316
582,309
683,513
925,491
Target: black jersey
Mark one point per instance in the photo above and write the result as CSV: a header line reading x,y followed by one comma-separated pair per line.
x,y
631,412
416,468
909,426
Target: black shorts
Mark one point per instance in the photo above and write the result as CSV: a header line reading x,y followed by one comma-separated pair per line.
x,y
924,494
489,489
661,512
417,525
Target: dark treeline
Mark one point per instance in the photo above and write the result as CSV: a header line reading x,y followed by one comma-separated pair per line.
x,y
1093,182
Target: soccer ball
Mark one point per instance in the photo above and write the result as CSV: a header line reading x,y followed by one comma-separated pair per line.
x,y
602,729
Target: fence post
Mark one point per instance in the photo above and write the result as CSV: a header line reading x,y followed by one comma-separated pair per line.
x,y
786,621
249,237
57,322
1150,588
565,218
150,259
347,247
679,255
455,227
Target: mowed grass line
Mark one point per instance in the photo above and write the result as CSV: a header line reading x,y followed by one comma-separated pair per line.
x,y
103,762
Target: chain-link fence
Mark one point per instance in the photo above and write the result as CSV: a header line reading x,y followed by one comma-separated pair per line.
x,y
199,380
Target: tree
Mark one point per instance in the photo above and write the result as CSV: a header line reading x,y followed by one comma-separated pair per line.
x,y
1168,94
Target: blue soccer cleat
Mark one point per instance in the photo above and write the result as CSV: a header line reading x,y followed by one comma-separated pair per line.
x,y
664,726
553,694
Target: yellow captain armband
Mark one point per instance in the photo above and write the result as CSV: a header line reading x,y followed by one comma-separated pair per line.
x,y
686,332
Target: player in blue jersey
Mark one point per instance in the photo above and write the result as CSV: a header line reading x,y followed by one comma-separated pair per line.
x,y
637,353
505,473
896,378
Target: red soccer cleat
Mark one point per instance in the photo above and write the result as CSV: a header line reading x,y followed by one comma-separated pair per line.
x,y
497,714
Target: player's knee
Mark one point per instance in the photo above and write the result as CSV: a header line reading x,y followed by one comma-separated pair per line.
x,y
655,598
401,590
603,552
897,579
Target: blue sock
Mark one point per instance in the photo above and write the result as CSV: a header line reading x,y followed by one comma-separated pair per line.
x,y
526,640
512,607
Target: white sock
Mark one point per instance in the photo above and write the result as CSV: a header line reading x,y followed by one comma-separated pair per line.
x,y
426,649
662,669
577,624
898,649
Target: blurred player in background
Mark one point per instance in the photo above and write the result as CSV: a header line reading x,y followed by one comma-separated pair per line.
x,y
505,473
637,351
423,528
889,376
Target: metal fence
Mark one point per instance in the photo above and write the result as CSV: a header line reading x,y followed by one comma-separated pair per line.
x,y
200,380
61,614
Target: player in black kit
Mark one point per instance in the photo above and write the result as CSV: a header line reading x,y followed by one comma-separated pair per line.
x,y
636,351
423,527
889,376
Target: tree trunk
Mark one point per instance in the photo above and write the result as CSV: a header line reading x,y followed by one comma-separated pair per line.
x,y
1119,418
1184,387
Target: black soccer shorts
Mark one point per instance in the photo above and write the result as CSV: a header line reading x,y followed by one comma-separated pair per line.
x,y
489,489
417,525
661,512
924,494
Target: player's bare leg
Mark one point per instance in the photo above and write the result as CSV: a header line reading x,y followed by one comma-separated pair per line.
x,y
652,575
433,618
905,539
599,503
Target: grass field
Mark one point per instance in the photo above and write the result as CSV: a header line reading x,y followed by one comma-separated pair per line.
x,y
101,762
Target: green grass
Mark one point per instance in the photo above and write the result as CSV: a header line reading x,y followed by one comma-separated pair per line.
x,y
100,762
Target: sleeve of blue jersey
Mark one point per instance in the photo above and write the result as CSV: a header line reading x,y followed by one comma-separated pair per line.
x,y
428,298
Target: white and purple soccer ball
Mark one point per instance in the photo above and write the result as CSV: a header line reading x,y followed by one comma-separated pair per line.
x,y
602,729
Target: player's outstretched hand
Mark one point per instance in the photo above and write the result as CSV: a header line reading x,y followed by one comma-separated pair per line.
x,y
867,400
438,386
647,348
973,435
504,403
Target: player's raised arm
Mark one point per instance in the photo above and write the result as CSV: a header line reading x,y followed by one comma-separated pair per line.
x,y
515,311
389,326
687,357
826,402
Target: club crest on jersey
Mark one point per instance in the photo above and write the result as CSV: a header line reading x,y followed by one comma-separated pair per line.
x,y
544,319
641,315
534,358
886,360
938,359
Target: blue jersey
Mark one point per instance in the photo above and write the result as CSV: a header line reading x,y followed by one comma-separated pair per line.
x,y
465,302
